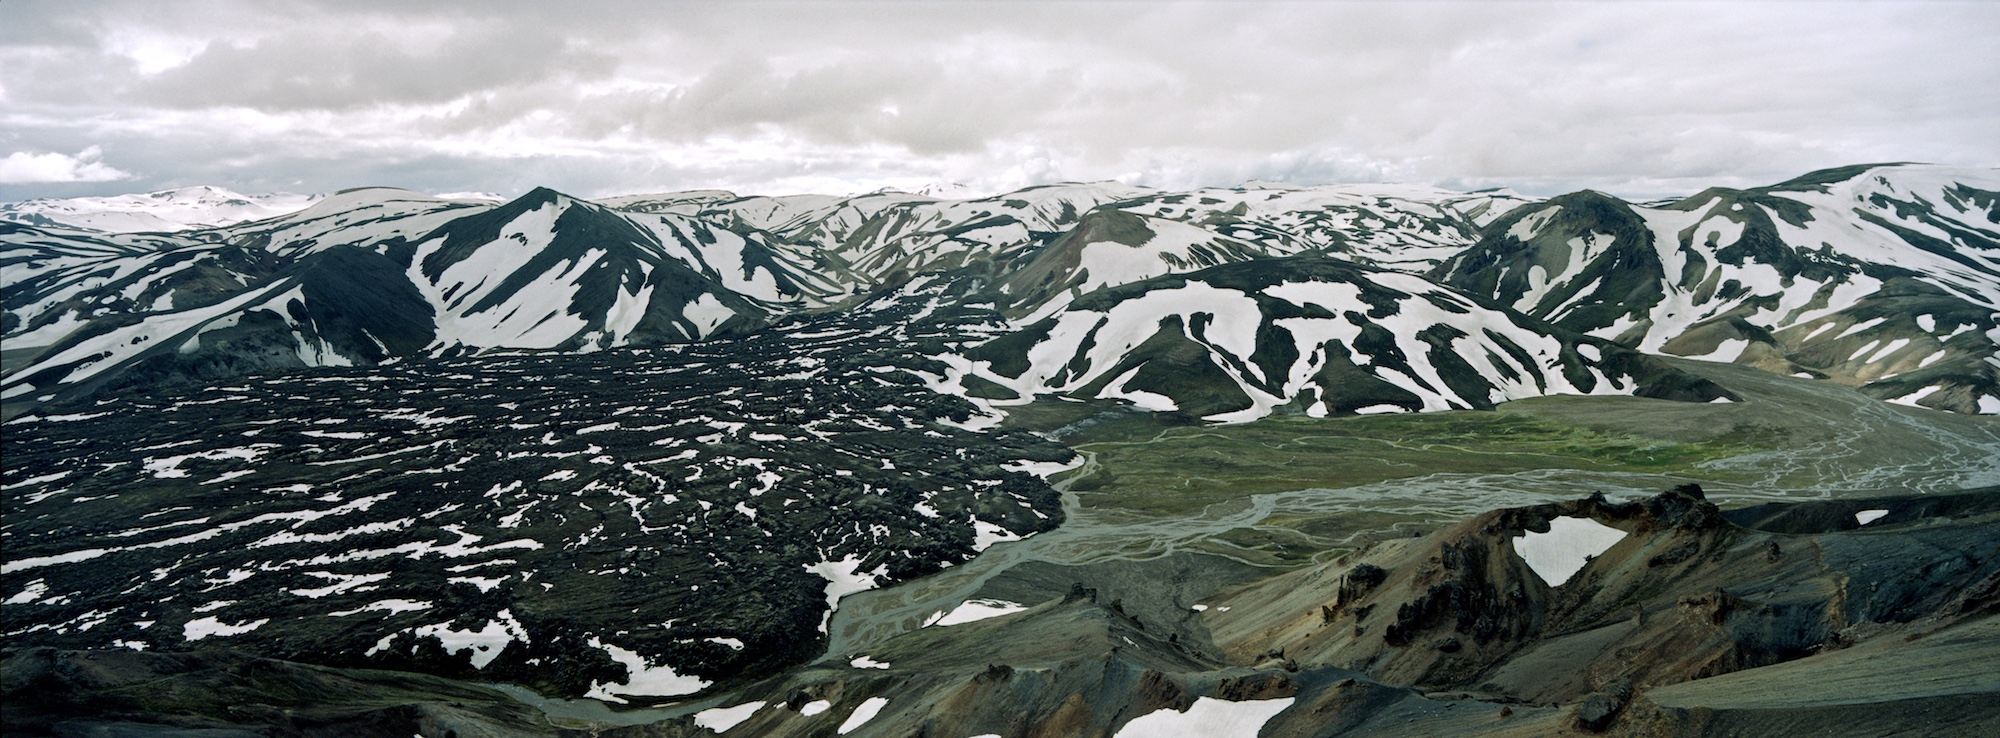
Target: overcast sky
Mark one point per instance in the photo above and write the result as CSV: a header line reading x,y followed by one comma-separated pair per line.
x,y
599,98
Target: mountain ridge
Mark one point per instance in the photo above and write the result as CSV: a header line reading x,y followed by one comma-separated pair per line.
x,y
667,451
1887,277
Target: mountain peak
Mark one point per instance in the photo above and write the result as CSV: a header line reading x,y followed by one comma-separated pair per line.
x,y
1819,179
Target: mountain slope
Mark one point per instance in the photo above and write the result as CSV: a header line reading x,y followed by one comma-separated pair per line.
x,y
1885,276
354,286
1393,226
163,211
1316,335
57,280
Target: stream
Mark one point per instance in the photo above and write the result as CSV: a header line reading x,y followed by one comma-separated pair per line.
x,y
1857,445
1854,445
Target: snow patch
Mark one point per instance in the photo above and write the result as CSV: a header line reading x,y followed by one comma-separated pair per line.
x,y
341,583
1914,398
1725,352
974,610
706,313
642,678
1560,553
1207,718
842,579
485,643
28,594
985,534
1869,516
197,629
721,719
867,711
390,606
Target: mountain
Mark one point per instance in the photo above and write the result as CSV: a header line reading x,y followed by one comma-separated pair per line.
x,y
1311,334
753,456
373,275
1884,276
1401,227
163,211
369,276
362,216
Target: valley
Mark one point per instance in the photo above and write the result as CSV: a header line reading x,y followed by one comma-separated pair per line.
x,y
1054,462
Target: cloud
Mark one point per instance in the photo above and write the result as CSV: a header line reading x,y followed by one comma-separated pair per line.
x,y
22,167
1633,98
314,69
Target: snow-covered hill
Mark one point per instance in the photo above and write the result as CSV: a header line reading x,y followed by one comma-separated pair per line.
x,y
1886,276
1316,335
1395,226
163,211
368,276
391,429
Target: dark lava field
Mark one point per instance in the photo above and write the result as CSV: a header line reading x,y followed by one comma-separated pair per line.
x,y
692,500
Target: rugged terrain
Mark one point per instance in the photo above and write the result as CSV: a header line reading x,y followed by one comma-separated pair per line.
x,y
1851,617
778,465
1877,275
542,520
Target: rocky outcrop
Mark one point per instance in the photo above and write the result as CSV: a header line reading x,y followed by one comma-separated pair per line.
x,y
1454,633
1687,594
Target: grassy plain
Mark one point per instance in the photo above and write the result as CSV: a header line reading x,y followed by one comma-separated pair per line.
x,y
1153,466
1160,466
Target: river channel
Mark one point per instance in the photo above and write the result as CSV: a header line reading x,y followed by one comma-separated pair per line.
x,y
1850,445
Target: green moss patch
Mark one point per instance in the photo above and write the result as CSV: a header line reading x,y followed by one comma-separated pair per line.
x,y
1179,470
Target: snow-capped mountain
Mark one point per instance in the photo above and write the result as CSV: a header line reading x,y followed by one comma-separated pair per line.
x,y
1886,276
882,236
456,473
363,216
1883,275
58,280
368,276
164,211
1395,226
1317,335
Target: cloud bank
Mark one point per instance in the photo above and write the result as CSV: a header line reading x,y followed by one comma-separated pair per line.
x,y
601,97
22,167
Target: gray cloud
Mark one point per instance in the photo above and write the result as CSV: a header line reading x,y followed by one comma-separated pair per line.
x,y
1640,99
310,68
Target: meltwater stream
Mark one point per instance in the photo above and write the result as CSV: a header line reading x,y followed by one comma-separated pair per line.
x,y
1849,445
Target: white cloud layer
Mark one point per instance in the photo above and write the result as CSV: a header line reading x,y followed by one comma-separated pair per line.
x,y
601,97
22,167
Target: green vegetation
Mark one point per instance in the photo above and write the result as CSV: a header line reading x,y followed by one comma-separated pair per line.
x,y
1268,545
1150,467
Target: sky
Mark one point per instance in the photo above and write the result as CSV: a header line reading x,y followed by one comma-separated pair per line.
x,y
601,98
